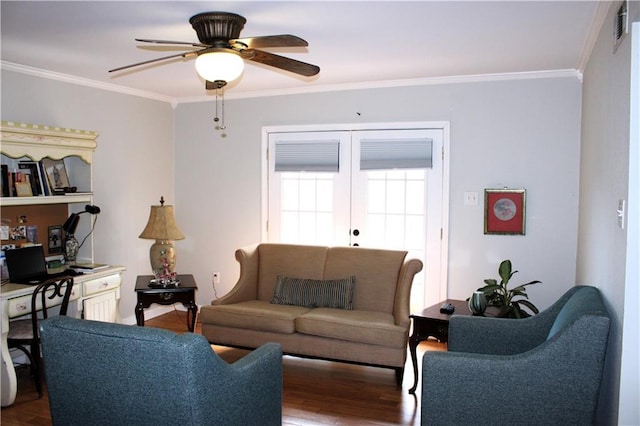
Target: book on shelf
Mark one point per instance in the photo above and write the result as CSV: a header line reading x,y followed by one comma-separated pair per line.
x,y
43,179
10,178
88,266
31,173
6,190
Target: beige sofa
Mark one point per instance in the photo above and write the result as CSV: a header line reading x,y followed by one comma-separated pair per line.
x,y
299,295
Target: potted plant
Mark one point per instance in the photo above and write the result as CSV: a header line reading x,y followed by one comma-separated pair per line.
x,y
503,298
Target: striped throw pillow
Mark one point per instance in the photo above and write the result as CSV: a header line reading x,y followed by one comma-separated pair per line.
x,y
314,293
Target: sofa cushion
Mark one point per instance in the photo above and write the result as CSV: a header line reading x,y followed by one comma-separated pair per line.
x,y
378,272
314,293
289,260
254,315
376,328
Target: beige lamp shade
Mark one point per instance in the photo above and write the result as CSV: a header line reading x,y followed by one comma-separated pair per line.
x,y
162,225
163,228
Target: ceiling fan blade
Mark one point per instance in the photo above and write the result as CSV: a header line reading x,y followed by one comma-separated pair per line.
x,y
186,43
184,55
281,62
282,40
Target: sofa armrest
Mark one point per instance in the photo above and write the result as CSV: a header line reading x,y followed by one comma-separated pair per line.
x,y
246,288
253,382
401,308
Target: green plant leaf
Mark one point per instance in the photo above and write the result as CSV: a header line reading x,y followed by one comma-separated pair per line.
x,y
504,270
530,283
529,305
519,292
489,288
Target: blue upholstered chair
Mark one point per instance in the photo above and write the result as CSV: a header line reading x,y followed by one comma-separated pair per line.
x,y
542,370
112,374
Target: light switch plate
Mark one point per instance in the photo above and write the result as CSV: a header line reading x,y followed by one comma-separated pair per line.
x,y
470,198
621,212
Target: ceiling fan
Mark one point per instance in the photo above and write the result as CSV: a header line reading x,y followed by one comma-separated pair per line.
x,y
220,54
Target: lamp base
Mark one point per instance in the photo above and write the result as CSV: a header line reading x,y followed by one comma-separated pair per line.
x,y
71,248
162,255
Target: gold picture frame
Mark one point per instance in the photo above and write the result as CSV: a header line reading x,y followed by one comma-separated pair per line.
x,y
504,211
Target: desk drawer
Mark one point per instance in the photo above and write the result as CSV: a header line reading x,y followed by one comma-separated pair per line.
x,y
22,305
101,284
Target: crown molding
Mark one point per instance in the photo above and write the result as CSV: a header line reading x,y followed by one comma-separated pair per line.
x,y
476,78
52,75
599,18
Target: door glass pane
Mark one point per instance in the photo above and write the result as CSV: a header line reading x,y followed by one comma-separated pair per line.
x,y
306,207
395,217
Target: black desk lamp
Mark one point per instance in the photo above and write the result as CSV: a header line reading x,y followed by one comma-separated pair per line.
x,y
71,245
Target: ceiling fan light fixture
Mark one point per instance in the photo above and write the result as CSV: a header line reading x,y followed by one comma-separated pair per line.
x,y
219,65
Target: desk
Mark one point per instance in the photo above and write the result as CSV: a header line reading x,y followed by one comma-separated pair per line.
x,y
89,292
185,293
431,323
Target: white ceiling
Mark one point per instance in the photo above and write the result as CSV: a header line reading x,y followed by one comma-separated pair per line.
x,y
354,43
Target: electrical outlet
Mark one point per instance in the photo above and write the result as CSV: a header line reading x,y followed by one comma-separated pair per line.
x,y
216,278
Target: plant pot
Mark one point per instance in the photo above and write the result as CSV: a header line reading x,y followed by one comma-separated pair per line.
x,y
477,303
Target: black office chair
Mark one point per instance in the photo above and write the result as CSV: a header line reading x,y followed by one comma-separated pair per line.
x,y
23,333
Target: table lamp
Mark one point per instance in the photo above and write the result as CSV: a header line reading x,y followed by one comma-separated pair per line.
x,y
162,227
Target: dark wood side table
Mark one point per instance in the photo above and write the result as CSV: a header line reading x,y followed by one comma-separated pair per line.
x,y
431,323
184,293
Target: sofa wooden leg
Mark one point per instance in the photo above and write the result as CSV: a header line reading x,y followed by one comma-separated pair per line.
x,y
399,376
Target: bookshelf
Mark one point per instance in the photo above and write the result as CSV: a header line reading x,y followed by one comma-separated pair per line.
x,y
22,142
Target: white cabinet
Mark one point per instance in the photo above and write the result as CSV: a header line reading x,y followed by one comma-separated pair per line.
x,y
100,296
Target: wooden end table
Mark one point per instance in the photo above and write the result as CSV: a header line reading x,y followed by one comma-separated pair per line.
x,y
431,323
185,293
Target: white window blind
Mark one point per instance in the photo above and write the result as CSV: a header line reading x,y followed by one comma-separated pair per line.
x,y
377,154
312,156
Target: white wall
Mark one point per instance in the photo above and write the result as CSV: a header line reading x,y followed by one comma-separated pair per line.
x,y
518,133
133,164
604,180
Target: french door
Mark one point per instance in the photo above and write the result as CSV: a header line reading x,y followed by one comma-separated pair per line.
x,y
372,188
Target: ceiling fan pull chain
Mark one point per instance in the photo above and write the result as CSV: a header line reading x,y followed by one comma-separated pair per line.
x,y
219,120
216,119
222,125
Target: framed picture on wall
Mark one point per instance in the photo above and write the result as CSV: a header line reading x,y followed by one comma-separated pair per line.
x,y
504,211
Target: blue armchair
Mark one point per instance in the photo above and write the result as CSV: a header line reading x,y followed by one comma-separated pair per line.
x,y
542,370
112,374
